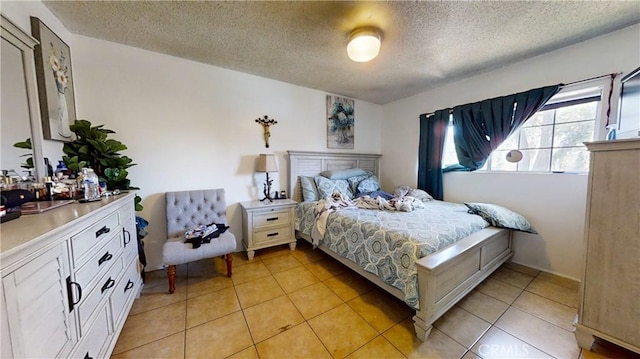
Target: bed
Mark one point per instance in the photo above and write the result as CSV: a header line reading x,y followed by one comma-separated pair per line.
x,y
442,277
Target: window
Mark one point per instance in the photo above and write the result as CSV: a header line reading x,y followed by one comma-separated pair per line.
x,y
552,139
449,156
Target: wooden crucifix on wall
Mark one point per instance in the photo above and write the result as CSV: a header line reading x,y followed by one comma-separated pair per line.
x,y
266,122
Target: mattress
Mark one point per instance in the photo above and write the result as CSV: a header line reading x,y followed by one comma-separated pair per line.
x,y
388,243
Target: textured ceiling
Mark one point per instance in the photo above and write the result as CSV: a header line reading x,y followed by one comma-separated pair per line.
x,y
424,43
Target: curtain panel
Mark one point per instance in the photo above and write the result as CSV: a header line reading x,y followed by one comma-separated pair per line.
x,y
433,131
480,127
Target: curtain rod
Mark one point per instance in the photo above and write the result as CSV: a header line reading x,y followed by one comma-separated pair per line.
x,y
561,86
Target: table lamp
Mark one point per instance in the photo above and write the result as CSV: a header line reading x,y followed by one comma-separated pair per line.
x,y
267,163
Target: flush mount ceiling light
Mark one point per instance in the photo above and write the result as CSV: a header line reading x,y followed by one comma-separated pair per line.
x,y
364,44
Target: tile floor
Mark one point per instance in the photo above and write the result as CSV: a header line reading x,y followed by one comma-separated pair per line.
x,y
304,304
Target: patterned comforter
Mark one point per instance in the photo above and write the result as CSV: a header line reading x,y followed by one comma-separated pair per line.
x,y
388,243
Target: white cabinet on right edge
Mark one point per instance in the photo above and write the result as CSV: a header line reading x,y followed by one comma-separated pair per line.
x,y
610,287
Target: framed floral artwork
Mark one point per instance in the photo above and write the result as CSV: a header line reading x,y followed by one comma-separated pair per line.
x,y
55,83
340,122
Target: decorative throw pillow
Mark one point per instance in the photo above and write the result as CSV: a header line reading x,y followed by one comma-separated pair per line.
x,y
327,186
354,181
309,189
501,217
343,174
369,184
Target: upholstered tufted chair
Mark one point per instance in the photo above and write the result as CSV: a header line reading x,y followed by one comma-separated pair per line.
x,y
187,210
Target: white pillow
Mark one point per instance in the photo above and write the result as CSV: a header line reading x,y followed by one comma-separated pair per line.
x,y
309,189
342,174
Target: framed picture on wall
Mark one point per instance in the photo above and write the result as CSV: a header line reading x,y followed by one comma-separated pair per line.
x,y
340,122
55,83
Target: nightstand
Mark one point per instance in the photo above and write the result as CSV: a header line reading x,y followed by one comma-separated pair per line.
x,y
267,224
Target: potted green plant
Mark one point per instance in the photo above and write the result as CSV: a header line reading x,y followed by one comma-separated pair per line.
x,y
92,148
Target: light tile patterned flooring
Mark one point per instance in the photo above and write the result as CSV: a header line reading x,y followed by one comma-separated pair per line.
x,y
304,304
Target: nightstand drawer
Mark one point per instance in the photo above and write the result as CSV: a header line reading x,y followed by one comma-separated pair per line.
x,y
272,235
271,218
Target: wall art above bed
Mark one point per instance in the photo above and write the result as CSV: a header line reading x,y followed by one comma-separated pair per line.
x,y
340,122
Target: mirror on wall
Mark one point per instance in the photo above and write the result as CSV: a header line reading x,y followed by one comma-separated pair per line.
x,y
20,117
15,125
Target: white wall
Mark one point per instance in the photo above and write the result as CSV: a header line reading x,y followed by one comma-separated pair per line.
x,y
555,203
190,126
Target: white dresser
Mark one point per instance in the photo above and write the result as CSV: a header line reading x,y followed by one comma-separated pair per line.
x,y
69,278
610,287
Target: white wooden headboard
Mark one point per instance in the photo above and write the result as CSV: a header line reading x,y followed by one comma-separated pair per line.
x,y
304,163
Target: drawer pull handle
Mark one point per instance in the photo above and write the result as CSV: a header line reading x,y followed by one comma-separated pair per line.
x,y
106,257
86,356
72,304
272,234
108,284
127,236
103,230
272,219
128,286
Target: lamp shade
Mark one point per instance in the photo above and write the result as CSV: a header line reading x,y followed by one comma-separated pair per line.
x,y
267,163
364,44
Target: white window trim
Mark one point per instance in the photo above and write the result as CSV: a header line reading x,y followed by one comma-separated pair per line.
x,y
600,130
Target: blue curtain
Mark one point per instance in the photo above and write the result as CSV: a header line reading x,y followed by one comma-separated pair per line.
x,y
433,131
479,128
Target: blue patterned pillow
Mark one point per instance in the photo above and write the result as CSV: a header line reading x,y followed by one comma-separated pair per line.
x,y
502,217
309,189
354,181
369,184
327,186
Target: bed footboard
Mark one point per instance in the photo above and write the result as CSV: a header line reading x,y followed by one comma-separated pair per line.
x,y
447,276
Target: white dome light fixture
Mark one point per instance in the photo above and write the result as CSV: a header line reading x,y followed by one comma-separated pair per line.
x,y
364,44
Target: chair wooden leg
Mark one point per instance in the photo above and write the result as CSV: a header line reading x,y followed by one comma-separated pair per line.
x,y
171,273
229,259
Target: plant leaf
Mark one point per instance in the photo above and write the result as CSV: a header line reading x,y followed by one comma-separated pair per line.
x,y
26,144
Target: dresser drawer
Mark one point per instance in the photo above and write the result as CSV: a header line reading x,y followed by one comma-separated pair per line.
x,y
82,243
278,234
94,340
271,218
97,265
125,288
98,293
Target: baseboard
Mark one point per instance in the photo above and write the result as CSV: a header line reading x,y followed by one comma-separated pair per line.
x,y
548,271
